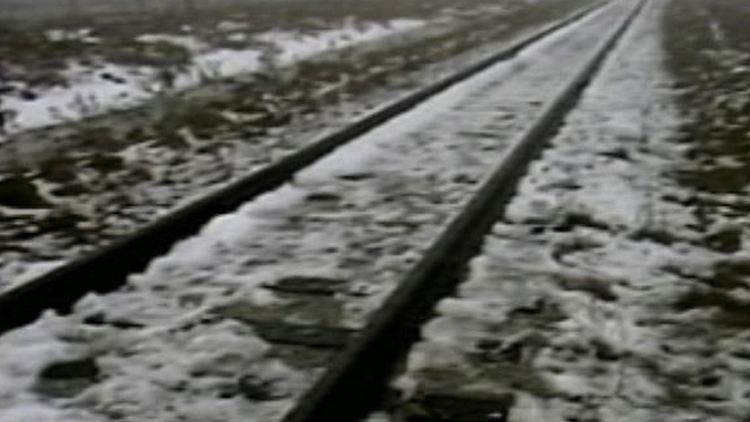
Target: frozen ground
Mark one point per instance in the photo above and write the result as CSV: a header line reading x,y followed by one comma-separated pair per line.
x,y
172,345
592,299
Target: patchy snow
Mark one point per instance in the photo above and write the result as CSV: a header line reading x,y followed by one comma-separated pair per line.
x,y
294,46
83,34
188,42
90,93
228,25
164,347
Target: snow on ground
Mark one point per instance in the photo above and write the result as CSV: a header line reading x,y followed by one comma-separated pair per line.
x,y
293,47
189,42
588,302
104,87
167,347
83,34
119,202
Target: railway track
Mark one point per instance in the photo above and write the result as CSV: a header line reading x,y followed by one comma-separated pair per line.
x,y
400,212
107,269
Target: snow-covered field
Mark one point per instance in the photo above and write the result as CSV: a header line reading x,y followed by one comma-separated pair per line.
x,y
171,346
95,89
